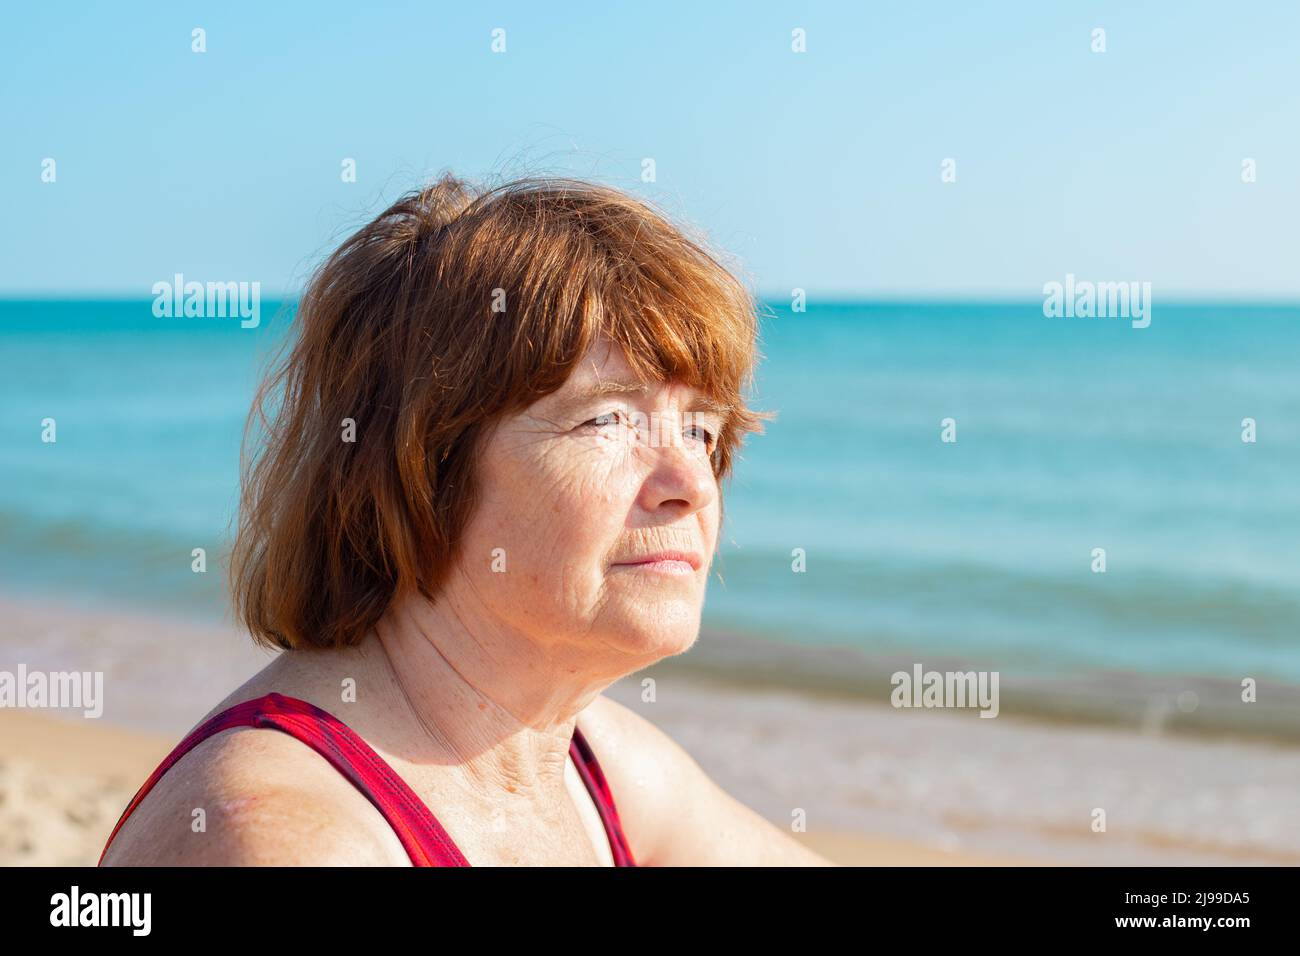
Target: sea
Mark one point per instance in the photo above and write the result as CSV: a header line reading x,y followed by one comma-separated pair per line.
x,y
1107,516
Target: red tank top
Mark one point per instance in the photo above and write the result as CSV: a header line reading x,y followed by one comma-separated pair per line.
x,y
423,837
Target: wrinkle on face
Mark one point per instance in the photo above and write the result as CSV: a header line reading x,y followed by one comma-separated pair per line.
x,y
565,499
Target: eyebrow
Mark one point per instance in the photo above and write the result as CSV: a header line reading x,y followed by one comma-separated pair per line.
x,y
602,389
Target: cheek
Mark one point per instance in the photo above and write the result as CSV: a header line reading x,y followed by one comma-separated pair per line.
x,y
584,493
557,511
710,520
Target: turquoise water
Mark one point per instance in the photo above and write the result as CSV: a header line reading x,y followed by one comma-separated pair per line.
x,y
1072,434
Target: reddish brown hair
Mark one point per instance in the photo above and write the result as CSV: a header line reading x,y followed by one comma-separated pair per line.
x,y
396,330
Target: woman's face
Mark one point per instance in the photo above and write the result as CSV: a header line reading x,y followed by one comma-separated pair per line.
x,y
578,493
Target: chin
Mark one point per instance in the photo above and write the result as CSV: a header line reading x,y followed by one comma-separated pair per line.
x,y
654,633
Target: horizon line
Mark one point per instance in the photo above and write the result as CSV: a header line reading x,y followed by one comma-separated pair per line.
x,y
811,297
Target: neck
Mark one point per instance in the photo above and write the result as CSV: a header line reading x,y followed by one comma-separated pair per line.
x,y
500,705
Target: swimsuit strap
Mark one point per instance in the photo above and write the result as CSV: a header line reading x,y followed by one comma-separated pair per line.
x,y
421,835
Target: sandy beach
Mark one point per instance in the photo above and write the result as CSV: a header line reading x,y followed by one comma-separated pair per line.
x,y
877,786
63,785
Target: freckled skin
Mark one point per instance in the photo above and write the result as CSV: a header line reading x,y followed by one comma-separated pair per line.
x,y
565,499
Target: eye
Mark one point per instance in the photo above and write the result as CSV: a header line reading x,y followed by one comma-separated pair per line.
x,y
699,427
702,434
615,417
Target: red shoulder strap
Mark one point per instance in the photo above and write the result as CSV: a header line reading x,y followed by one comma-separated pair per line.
x,y
420,833
589,769
423,837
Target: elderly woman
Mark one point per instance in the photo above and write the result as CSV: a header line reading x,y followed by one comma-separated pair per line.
x,y
489,488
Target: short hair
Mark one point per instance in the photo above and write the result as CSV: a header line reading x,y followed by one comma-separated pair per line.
x,y
397,331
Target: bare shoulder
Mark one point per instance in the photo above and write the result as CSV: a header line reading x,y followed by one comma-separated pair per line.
x,y
673,813
254,797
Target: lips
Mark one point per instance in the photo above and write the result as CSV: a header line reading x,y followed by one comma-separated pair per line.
x,y
665,558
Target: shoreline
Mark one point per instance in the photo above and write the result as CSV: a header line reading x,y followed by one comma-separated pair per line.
x,y
1191,706
1187,706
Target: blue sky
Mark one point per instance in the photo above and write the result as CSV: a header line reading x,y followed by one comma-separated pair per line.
x,y
818,170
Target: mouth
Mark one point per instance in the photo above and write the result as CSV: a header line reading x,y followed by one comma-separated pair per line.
x,y
663,562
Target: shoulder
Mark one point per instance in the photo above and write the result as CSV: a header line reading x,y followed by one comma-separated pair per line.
x,y
254,797
629,746
673,813
640,763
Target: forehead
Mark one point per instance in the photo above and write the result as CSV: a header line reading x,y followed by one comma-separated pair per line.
x,y
604,372
604,360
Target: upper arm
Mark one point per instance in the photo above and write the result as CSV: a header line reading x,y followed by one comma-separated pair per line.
x,y
253,798
673,813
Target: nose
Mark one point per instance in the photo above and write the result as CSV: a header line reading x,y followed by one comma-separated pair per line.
x,y
680,481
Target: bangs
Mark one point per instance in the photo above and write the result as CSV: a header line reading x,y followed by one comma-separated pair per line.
x,y
579,261
702,334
